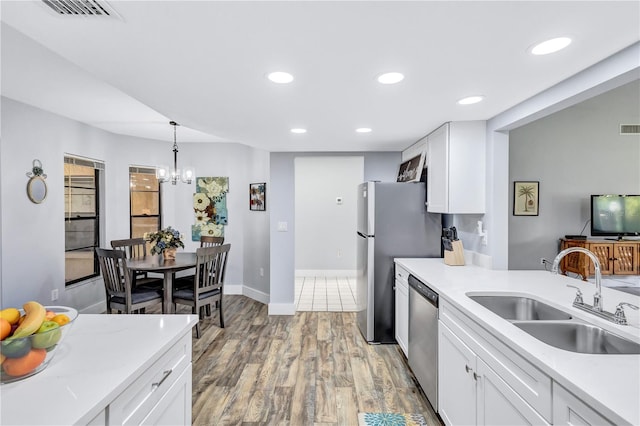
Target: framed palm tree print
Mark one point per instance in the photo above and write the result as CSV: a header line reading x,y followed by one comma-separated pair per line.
x,y
526,198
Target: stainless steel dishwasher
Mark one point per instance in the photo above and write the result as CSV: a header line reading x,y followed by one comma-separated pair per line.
x,y
423,337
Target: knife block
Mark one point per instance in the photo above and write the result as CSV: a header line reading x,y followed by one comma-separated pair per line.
x,y
454,257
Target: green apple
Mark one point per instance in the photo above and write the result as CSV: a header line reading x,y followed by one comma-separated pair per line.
x,y
47,335
15,347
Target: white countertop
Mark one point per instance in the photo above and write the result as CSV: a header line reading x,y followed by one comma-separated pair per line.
x,y
100,356
608,383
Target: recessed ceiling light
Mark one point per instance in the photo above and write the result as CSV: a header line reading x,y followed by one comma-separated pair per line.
x,y
471,100
280,77
298,130
390,78
550,46
363,130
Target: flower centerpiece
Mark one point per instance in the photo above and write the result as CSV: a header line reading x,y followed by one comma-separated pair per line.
x,y
165,241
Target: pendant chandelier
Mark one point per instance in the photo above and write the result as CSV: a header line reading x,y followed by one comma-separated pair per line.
x,y
165,174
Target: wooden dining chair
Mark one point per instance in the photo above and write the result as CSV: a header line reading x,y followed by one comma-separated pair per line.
x,y
137,247
207,284
121,295
208,241
185,279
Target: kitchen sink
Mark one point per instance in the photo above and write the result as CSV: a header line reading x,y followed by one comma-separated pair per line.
x,y
579,337
520,308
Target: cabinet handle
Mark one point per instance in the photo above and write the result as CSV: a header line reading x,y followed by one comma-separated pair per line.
x,y
468,369
475,376
164,377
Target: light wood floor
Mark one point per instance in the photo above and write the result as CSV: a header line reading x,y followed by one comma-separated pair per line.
x,y
313,368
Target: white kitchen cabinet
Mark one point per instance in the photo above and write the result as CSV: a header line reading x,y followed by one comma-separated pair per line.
x,y
570,410
499,404
482,381
457,391
402,309
174,408
471,393
456,168
115,370
146,394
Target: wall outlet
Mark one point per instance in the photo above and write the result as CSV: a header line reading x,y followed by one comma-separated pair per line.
x,y
54,295
543,261
339,253
262,272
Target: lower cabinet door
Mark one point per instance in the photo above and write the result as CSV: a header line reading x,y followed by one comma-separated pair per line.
x,y
402,316
569,410
174,408
456,384
498,404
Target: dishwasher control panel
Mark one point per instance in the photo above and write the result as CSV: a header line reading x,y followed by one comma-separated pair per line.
x,y
424,291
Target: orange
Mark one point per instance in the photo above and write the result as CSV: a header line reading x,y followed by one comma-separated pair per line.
x,y
5,328
25,365
61,319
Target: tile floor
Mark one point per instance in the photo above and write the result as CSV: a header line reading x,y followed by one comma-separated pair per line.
x,y
332,294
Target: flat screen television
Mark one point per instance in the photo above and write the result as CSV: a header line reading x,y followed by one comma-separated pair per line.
x,y
615,215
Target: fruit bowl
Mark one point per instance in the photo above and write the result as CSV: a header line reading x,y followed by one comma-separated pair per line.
x,y
24,356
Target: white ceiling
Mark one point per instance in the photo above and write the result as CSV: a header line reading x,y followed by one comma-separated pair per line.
x,y
203,64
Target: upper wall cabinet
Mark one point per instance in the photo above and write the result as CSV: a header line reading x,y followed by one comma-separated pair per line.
x,y
456,168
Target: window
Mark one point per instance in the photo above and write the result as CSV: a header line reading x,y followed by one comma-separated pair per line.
x,y
82,218
144,193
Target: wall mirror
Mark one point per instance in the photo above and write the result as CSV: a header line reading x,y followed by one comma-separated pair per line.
x,y
37,189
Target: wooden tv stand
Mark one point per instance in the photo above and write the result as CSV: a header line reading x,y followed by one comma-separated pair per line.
x,y
616,257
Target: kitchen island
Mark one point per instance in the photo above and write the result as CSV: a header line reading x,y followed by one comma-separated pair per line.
x,y
110,369
605,385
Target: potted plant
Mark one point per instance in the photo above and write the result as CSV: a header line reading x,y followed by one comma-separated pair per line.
x,y
165,241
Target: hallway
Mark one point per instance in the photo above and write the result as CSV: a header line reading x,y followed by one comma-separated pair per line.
x,y
329,294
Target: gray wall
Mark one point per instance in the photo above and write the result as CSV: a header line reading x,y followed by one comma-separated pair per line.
x,y
573,153
325,231
382,166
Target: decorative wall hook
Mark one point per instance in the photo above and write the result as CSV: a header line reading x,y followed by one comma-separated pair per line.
x,y
37,170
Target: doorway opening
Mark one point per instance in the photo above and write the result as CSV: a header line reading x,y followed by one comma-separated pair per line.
x,y
325,231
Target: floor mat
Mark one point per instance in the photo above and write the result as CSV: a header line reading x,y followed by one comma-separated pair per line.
x,y
391,419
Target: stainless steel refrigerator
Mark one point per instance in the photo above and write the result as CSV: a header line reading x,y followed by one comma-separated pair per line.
x,y
392,222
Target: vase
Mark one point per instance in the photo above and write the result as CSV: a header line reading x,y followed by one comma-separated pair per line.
x,y
169,254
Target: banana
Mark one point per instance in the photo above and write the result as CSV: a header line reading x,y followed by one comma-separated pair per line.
x,y
34,317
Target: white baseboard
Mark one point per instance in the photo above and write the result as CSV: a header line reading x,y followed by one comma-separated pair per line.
x,y
256,295
282,308
350,273
233,289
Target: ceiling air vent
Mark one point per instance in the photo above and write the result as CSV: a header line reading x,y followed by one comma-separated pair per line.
x,y
81,8
630,129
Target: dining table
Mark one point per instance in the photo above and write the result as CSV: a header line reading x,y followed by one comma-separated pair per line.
x,y
168,267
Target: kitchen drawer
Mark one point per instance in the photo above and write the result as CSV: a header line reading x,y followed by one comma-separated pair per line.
x,y
531,384
402,275
135,403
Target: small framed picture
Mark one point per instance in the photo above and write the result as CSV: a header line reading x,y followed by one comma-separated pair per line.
x,y
411,170
526,198
258,196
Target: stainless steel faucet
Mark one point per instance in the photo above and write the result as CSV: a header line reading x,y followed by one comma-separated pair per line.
x,y
597,297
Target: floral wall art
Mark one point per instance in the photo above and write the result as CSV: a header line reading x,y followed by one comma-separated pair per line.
x,y
210,207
